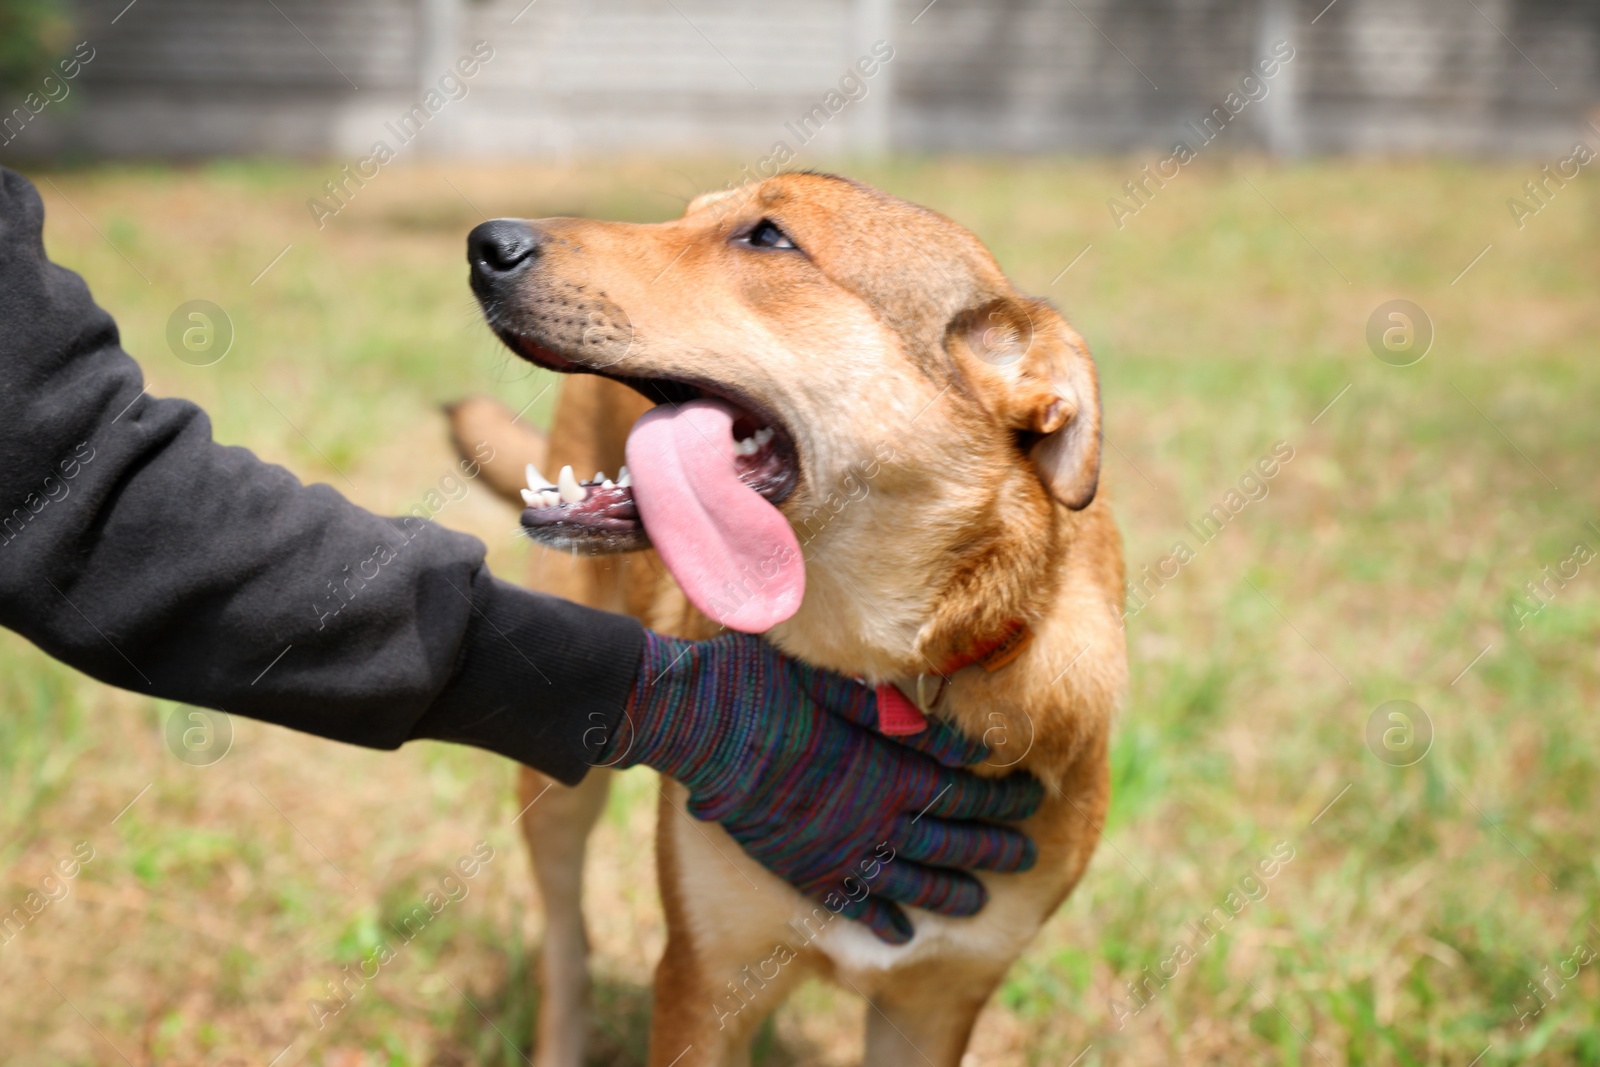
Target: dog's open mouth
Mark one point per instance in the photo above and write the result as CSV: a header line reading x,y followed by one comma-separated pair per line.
x,y
599,515
709,467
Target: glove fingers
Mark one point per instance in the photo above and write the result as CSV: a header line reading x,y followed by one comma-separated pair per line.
x,y
844,697
958,794
932,888
946,744
964,845
857,703
884,919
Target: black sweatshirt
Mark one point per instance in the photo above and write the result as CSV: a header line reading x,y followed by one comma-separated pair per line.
x,y
138,550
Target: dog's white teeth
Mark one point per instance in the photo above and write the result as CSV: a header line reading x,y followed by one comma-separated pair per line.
x,y
749,446
624,479
537,481
608,484
599,476
544,498
567,485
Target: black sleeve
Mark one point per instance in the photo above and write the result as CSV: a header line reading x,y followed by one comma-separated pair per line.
x,y
138,550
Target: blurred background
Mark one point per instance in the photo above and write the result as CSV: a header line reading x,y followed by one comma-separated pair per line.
x,y
189,79
1360,235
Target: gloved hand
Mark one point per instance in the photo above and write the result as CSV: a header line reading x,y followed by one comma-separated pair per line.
x,y
784,757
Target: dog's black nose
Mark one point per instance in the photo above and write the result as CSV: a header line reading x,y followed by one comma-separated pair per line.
x,y
500,247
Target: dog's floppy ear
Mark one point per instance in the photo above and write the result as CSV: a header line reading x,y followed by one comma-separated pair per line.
x,y
1041,381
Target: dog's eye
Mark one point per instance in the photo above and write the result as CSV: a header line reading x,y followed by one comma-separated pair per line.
x,y
766,235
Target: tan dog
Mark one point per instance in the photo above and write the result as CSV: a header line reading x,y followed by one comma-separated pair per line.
x,y
933,441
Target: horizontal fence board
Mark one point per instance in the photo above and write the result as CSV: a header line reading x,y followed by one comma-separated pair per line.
x,y
1510,76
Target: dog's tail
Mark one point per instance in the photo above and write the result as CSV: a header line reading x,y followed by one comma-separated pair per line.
x,y
489,433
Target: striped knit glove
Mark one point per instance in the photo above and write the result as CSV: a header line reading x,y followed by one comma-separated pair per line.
x,y
781,755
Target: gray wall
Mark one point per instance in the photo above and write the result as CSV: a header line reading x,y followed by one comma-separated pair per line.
x,y
204,77
1368,75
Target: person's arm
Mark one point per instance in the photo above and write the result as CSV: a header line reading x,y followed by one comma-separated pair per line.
x,y
138,550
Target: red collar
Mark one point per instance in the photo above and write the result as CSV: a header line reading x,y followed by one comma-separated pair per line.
x,y
898,715
993,653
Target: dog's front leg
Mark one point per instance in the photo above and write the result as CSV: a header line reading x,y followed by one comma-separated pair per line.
x,y
730,958
556,822
923,1015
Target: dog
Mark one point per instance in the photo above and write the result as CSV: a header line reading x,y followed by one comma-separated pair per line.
x,y
931,438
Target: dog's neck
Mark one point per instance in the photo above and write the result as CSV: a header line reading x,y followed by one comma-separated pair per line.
x,y
992,596
1056,659
990,651
903,708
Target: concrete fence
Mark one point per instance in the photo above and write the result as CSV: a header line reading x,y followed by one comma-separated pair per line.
x,y
552,78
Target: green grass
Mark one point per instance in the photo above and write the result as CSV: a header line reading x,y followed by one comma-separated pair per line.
x,y
1226,316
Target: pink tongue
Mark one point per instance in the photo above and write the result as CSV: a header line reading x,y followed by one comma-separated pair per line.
x,y
733,553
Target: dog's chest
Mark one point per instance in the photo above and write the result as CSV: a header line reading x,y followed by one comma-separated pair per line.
x,y
737,913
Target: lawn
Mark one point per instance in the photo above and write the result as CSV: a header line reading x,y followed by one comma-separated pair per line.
x,y
1433,895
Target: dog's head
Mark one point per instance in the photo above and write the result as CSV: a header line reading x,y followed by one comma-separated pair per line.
x,y
854,369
